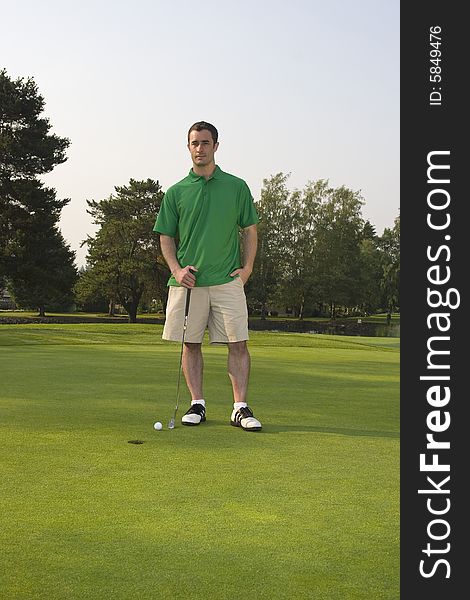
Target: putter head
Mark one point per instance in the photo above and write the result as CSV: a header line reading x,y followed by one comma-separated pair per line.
x,y
171,424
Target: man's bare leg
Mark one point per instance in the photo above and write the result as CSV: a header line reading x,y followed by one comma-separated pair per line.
x,y
239,363
193,369
239,369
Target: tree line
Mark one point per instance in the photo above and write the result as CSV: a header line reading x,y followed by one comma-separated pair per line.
x,y
316,253
318,256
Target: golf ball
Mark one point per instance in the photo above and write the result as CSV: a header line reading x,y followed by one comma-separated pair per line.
x,y
157,426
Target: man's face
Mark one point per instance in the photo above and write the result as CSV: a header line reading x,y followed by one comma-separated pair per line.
x,y
202,147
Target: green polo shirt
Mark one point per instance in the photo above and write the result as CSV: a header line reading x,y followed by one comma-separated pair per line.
x,y
205,216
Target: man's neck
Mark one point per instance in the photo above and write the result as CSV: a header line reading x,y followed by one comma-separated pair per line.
x,y
206,171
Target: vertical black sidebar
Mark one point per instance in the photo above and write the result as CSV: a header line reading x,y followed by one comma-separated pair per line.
x,y
435,317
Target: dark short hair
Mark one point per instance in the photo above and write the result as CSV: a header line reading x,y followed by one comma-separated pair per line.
x,y
200,125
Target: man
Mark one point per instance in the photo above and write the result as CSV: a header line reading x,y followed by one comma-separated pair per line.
x,y
199,223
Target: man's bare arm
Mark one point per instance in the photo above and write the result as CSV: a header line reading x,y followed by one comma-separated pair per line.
x,y
250,246
182,275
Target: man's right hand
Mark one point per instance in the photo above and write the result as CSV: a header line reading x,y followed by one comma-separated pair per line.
x,y
185,276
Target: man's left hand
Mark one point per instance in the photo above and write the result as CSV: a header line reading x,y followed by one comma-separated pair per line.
x,y
244,274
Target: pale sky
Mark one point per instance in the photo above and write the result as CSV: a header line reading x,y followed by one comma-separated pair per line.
x,y
304,87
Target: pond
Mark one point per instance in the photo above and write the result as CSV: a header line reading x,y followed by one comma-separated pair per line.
x,y
340,327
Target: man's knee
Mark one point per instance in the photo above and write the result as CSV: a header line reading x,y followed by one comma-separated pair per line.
x,y
192,347
238,347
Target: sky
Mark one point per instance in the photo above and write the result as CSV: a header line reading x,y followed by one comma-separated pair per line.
x,y
305,87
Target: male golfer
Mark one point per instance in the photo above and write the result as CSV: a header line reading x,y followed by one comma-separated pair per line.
x,y
199,224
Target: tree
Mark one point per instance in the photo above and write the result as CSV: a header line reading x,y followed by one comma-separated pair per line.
x,y
27,147
390,283
38,263
90,299
272,209
91,294
44,272
371,275
368,231
371,270
337,275
124,260
300,247
33,254
309,249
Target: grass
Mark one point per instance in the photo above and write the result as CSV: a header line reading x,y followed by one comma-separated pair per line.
x,y
307,508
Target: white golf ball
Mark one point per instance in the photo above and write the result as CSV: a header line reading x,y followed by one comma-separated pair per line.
x,y
157,425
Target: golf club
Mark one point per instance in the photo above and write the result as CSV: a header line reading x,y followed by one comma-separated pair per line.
x,y
171,424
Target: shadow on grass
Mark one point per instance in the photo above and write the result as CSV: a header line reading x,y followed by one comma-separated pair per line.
x,y
272,428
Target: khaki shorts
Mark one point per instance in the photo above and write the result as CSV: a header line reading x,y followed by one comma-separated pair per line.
x,y
220,308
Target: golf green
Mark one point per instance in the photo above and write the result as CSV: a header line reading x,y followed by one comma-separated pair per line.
x,y
306,508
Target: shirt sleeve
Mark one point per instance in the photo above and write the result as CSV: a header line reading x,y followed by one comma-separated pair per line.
x,y
168,218
247,213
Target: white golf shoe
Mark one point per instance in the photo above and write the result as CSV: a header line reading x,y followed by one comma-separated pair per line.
x,y
195,415
243,417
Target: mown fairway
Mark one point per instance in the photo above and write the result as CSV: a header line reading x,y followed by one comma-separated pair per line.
x,y
307,508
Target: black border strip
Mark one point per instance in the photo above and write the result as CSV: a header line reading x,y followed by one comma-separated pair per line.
x,y
429,128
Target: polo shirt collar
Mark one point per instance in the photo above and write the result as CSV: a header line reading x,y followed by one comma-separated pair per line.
x,y
215,175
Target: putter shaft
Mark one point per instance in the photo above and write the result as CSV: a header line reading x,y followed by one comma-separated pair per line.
x,y
171,424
